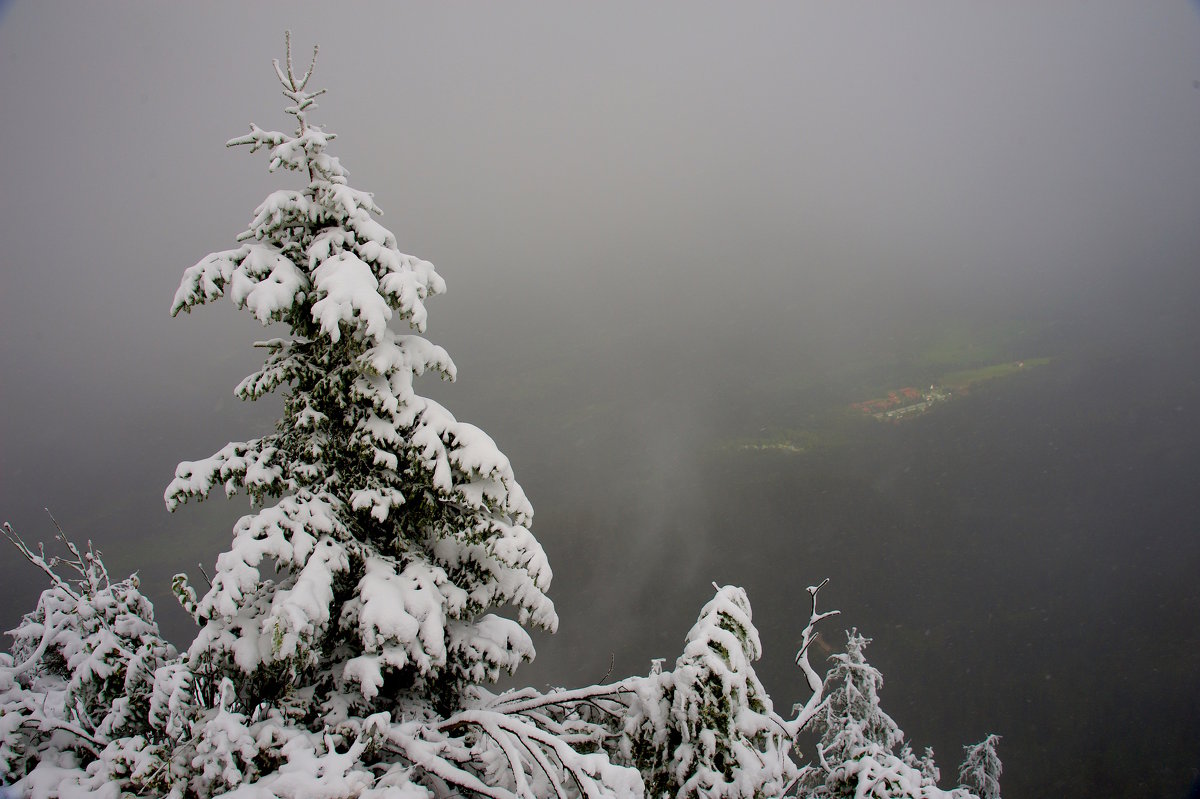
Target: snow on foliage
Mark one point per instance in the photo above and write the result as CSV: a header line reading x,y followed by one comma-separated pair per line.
x,y
981,768
81,672
861,752
707,728
386,575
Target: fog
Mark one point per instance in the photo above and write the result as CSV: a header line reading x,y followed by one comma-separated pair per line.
x,y
665,231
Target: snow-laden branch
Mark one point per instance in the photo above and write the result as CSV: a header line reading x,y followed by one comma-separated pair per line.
x,y
522,702
537,757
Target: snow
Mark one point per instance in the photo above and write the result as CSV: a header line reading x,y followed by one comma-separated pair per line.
x,y
378,501
491,644
250,465
349,295
256,276
300,613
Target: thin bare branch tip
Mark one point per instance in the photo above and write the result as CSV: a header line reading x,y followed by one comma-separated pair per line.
x,y
287,41
612,661
311,65
54,521
15,539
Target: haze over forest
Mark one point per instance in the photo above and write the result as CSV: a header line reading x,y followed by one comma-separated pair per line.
x,y
672,235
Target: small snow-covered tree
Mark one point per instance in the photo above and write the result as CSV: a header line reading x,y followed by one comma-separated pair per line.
x,y
707,728
981,769
851,719
78,685
392,535
857,752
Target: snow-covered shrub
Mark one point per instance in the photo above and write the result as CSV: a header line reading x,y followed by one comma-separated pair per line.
x,y
82,666
850,718
861,752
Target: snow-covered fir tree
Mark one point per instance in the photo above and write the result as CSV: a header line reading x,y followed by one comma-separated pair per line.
x,y
731,742
707,728
850,718
392,535
981,768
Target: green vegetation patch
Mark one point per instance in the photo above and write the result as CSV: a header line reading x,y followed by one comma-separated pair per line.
x,y
969,377
962,343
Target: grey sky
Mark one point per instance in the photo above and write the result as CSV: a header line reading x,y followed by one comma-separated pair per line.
x,y
614,184
585,177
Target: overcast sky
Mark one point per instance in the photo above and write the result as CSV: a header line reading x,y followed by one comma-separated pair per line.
x,y
725,181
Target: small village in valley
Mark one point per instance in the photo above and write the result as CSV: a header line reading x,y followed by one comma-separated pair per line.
x,y
905,403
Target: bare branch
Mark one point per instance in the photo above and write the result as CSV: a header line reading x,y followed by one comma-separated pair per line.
x,y
308,73
612,661
279,73
93,743
564,697
421,755
287,40
515,764
805,712
540,758
38,559
204,574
